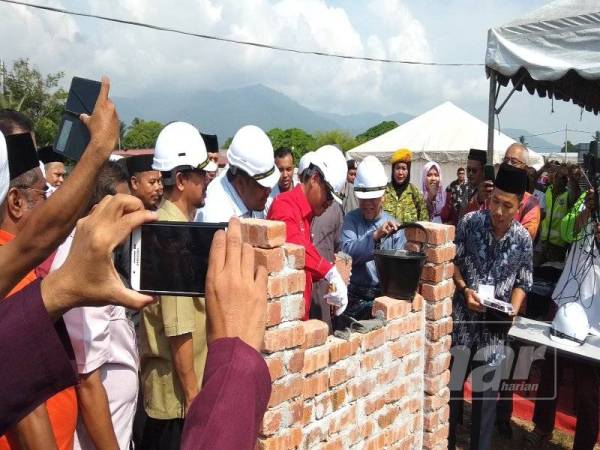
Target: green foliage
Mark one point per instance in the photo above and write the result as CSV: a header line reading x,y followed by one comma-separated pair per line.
x,y
141,134
570,148
227,142
342,139
297,140
377,130
25,89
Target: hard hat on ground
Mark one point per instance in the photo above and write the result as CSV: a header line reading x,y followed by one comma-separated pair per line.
x,y
305,162
332,164
370,181
179,145
570,325
251,150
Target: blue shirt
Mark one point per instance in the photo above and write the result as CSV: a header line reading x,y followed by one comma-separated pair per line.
x,y
357,241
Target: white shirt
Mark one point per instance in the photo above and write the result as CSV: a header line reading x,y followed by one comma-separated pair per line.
x,y
580,280
104,339
223,202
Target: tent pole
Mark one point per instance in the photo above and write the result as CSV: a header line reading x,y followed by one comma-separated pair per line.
x,y
491,110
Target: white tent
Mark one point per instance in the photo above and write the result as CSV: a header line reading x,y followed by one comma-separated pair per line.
x,y
443,134
554,51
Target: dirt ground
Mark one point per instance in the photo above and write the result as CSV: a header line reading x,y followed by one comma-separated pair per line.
x,y
560,440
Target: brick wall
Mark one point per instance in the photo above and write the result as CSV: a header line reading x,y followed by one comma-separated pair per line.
x,y
383,389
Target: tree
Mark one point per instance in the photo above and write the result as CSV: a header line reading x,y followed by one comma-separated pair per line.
x,y
25,89
297,140
141,134
570,148
227,142
342,139
377,130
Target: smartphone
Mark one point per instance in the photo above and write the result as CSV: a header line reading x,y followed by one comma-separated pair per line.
x,y
73,136
171,258
488,171
498,305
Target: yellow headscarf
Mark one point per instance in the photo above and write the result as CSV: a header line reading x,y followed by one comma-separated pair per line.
x,y
402,155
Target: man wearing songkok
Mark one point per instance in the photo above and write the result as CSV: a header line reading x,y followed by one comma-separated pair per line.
x,y
144,182
54,166
211,142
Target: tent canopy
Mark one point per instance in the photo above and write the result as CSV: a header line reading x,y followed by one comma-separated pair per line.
x,y
554,51
443,134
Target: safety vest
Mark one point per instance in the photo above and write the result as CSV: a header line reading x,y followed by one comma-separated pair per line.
x,y
556,209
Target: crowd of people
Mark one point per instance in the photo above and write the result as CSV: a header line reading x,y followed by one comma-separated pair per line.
x,y
186,372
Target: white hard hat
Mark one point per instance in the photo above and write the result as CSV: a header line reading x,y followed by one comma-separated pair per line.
x,y
179,144
305,162
114,158
370,181
570,325
4,176
251,150
330,160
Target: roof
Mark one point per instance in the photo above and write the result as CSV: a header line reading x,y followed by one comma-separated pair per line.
x,y
442,134
553,51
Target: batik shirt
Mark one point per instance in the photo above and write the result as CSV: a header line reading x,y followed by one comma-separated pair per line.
x,y
408,208
458,194
505,263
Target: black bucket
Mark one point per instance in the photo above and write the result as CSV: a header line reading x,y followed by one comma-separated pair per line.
x,y
399,271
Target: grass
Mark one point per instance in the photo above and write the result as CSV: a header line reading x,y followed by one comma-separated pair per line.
x,y
560,440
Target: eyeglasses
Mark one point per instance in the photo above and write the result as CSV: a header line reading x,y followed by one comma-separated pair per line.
x,y
513,161
41,192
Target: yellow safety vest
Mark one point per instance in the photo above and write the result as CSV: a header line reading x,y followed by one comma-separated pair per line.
x,y
556,209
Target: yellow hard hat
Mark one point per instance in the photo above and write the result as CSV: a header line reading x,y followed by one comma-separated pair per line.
x,y
401,155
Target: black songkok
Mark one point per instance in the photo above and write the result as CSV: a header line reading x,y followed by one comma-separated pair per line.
x,y
48,155
511,179
139,163
478,155
210,142
22,155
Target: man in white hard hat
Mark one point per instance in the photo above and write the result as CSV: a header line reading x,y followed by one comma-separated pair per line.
x,y
577,298
244,189
320,184
173,338
364,229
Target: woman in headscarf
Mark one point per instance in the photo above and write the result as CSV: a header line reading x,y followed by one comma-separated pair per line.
x,y
403,200
433,191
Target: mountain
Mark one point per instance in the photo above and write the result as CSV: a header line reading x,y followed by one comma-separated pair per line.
x,y
224,112
536,143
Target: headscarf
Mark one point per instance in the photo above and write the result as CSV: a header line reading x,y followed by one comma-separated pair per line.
x,y
402,155
440,198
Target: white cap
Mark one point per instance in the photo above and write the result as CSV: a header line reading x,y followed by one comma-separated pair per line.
x,y
305,162
251,150
4,176
330,160
179,144
114,158
370,181
570,325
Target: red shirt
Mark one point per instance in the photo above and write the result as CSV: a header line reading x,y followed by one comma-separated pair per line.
x,y
293,208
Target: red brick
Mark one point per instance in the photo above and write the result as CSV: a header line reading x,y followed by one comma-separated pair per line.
x,y
438,310
437,400
343,420
437,292
281,284
396,433
272,259
432,349
285,389
276,367
279,339
436,330
435,384
417,303
418,342
431,439
373,339
338,375
315,359
433,420
436,233
397,392
375,443
271,423
364,429
391,308
343,263
411,363
263,233
400,348
339,349
329,402
315,384
360,388
372,360
448,270
374,403
336,444
443,253
273,313
435,366
315,332
307,413
289,439
387,418
295,361
410,405
435,273
295,255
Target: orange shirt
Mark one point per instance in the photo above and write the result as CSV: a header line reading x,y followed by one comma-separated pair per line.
x,y
62,407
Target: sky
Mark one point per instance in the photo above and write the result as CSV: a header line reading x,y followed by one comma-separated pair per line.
x,y
141,61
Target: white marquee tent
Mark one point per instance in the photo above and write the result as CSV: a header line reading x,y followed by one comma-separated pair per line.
x,y
443,134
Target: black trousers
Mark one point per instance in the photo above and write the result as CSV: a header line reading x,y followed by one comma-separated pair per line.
x,y
587,400
162,434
